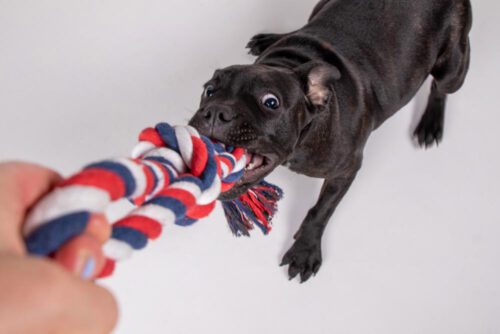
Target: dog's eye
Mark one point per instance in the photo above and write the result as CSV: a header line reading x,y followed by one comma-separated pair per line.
x,y
271,101
209,91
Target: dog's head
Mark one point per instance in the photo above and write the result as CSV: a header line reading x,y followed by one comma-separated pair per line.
x,y
264,110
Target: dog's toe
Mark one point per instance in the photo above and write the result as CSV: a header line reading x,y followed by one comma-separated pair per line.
x,y
306,274
293,270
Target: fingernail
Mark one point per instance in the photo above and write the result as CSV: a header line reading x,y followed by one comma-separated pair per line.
x,y
88,268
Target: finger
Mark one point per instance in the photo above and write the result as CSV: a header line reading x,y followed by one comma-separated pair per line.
x,y
83,255
21,185
99,227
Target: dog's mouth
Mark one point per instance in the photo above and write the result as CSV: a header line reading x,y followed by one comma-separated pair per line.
x,y
258,166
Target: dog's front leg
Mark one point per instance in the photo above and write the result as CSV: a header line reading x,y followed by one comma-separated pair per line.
x,y
304,256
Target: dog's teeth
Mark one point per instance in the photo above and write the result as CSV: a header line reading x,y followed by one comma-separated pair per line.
x,y
254,161
249,158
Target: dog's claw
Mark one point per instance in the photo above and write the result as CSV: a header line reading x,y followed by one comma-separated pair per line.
x,y
428,134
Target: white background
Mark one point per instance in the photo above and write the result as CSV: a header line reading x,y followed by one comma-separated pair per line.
x,y
413,248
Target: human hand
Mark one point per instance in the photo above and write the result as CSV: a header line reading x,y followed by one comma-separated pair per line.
x,y
37,295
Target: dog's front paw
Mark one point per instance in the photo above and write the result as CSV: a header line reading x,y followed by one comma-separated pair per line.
x,y
303,258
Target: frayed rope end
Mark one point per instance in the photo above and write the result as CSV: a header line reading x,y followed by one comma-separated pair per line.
x,y
256,207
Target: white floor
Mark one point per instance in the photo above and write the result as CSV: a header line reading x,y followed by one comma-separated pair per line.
x,y
413,248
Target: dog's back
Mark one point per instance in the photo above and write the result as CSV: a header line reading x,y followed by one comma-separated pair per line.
x,y
393,45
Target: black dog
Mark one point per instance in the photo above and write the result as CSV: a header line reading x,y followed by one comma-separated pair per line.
x,y
313,96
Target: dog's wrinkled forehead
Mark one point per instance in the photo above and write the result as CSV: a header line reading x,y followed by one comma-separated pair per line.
x,y
256,80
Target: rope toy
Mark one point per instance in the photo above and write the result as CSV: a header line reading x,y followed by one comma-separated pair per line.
x,y
175,175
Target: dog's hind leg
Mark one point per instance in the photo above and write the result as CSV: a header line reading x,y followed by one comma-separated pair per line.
x,y
448,78
449,74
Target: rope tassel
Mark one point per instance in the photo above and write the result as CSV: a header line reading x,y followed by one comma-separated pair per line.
x,y
175,175
256,207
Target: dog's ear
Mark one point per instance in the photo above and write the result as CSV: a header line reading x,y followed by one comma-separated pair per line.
x,y
317,79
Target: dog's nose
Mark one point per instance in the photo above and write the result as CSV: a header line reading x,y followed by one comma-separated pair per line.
x,y
218,115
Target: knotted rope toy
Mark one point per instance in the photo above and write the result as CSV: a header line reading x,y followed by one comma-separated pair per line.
x,y
175,175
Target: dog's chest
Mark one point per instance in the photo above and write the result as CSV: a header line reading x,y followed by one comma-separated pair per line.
x,y
313,156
